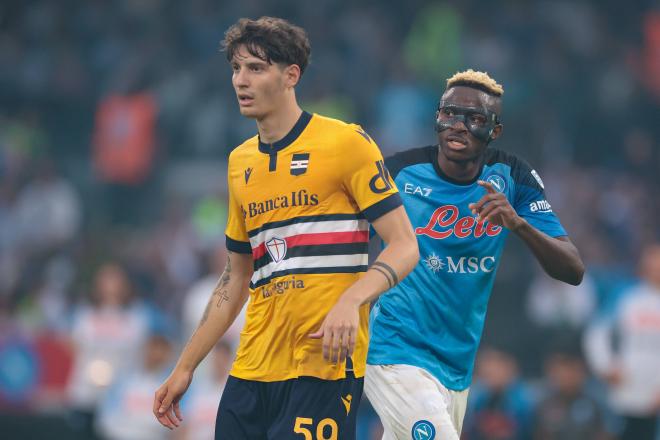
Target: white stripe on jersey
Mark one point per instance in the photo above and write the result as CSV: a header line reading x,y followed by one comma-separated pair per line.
x,y
296,164
309,228
304,262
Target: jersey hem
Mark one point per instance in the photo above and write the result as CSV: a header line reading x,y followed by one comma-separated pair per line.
x,y
448,384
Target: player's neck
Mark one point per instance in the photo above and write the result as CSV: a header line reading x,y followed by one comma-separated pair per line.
x,y
460,171
279,123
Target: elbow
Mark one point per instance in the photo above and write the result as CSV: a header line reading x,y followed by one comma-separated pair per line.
x,y
578,273
573,274
411,253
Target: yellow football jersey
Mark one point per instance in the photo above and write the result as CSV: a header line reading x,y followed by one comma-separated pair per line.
x,y
302,207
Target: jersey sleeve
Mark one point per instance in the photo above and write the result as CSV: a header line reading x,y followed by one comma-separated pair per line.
x,y
531,203
365,175
236,233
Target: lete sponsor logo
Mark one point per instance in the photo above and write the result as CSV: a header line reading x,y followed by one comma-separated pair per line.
x,y
444,223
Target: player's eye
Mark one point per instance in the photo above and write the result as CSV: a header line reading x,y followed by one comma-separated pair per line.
x,y
477,119
235,67
447,111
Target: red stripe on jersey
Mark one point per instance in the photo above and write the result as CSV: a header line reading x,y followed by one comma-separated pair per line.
x,y
317,239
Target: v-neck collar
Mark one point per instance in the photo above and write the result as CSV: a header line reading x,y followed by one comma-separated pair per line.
x,y
287,140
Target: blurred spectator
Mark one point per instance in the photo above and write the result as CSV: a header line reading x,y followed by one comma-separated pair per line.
x,y
126,412
632,368
108,335
200,405
500,405
568,410
552,304
47,196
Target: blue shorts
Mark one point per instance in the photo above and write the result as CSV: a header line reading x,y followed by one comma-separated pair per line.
x,y
306,408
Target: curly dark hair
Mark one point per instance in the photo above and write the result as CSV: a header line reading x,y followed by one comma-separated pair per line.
x,y
271,39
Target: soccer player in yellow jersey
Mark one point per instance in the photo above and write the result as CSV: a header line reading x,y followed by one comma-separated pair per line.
x,y
301,196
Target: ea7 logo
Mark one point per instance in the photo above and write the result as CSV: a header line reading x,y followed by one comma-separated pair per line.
x,y
409,188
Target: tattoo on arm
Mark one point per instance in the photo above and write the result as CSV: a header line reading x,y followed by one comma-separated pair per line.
x,y
387,271
219,296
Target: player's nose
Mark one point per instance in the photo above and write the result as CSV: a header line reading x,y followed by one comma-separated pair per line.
x,y
459,125
239,78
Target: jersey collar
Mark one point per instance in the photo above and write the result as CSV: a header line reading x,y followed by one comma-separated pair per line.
x,y
287,140
433,158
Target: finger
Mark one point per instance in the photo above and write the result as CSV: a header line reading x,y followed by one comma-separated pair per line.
x,y
476,207
489,187
318,334
171,417
165,404
165,421
158,399
336,340
345,344
327,340
487,210
492,216
177,411
351,342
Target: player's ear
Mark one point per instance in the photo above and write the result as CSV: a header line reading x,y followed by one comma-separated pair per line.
x,y
497,132
292,75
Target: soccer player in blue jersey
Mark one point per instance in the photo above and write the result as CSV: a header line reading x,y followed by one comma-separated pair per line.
x,y
463,198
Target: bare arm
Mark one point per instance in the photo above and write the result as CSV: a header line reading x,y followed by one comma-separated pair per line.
x,y
226,301
340,327
558,256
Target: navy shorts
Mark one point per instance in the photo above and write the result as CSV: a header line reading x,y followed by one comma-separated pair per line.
x,y
306,408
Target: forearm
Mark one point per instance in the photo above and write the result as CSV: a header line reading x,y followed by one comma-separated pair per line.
x,y
224,305
391,266
558,257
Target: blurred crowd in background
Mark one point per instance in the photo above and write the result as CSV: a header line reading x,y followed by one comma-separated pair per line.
x,y
115,124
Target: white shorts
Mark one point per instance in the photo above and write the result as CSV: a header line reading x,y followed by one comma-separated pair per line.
x,y
413,404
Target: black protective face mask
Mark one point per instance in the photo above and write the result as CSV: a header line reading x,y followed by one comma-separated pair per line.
x,y
480,122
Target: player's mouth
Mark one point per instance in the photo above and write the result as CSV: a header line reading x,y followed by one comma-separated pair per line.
x,y
456,142
245,100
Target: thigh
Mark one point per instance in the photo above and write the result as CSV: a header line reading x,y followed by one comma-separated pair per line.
x,y
241,414
410,403
457,407
317,409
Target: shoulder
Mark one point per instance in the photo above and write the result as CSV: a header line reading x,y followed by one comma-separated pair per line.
x,y
414,156
244,150
347,134
521,172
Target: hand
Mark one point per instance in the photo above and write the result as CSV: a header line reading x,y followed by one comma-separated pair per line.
x,y
495,208
339,331
167,397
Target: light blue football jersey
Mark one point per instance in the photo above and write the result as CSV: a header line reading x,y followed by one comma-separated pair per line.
x,y
434,318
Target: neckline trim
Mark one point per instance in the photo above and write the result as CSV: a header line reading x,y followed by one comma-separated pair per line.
x,y
433,158
291,136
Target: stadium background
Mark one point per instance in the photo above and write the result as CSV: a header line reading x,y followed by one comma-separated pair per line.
x,y
116,119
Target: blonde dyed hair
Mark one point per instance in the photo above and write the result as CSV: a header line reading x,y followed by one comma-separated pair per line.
x,y
479,80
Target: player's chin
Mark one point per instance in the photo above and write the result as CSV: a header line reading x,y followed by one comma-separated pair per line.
x,y
249,112
462,154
